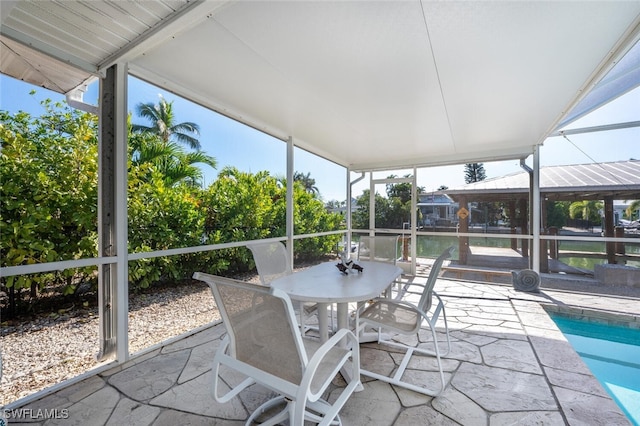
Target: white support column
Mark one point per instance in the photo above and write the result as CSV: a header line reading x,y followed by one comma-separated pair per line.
x,y
348,212
535,208
122,265
414,221
289,225
113,283
372,204
106,218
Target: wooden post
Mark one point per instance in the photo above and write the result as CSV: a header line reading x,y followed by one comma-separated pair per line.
x,y
553,244
524,224
463,245
619,232
608,229
544,256
513,223
543,213
405,248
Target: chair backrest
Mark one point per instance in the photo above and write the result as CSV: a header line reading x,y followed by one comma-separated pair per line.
x,y
425,300
272,260
379,248
261,326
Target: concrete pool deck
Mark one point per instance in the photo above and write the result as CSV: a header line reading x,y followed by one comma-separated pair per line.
x,y
509,364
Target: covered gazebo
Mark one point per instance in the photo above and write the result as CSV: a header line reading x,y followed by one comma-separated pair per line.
x,y
576,182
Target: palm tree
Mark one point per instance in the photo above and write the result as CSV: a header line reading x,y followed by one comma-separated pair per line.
x,y
163,124
170,159
307,181
584,209
632,209
181,168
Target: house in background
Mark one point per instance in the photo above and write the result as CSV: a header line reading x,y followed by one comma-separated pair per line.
x,y
620,214
437,210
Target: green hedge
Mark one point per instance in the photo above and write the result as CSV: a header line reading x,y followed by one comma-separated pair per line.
x,y
49,200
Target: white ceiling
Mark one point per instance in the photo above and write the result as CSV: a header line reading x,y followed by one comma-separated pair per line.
x,y
369,85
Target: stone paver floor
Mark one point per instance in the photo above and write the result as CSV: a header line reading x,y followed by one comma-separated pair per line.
x,y
509,364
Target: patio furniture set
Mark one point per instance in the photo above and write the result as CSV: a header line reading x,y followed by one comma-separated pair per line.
x,y
270,342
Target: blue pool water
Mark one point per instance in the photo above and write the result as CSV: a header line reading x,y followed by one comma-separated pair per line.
x,y
612,353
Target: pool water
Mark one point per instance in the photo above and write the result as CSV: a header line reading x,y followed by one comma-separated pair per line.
x,y
612,353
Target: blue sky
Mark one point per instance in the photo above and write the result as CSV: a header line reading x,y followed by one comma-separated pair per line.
x,y
234,144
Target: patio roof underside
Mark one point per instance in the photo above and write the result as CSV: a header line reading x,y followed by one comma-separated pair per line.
x,y
617,180
369,85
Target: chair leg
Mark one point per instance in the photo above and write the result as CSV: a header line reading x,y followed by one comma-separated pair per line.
x,y
397,377
315,412
446,331
274,420
434,319
410,351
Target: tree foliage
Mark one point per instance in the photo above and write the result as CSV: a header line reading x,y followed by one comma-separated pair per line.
x,y
474,172
392,212
557,212
253,206
586,210
163,124
631,211
488,213
48,192
308,183
311,216
168,158
160,218
49,174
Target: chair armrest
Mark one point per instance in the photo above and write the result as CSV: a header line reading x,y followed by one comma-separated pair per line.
x,y
439,308
391,301
404,303
321,353
220,357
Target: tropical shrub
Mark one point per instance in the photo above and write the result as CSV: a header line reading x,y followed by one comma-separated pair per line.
x,y
49,174
161,217
243,206
310,216
48,194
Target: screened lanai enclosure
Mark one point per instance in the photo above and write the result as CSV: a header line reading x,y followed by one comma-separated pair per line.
x,y
374,87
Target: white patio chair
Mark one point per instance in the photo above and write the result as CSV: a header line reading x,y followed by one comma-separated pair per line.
x,y
403,317
264,344
381,248
272,262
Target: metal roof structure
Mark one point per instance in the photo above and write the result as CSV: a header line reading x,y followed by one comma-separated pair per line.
x,y
434,199
619,180
369,85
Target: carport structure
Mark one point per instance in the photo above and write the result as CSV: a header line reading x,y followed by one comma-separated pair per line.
x,y
575,182
369,85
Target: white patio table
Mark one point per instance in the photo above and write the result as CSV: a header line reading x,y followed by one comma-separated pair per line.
x,y
325,284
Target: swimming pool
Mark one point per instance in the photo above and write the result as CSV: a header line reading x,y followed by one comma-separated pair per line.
x,y
612,353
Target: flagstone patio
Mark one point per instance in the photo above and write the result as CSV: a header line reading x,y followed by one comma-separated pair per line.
x,y
509,364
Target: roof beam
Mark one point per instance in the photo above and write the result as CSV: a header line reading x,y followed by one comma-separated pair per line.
x,y
603,128
626,42
182,19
